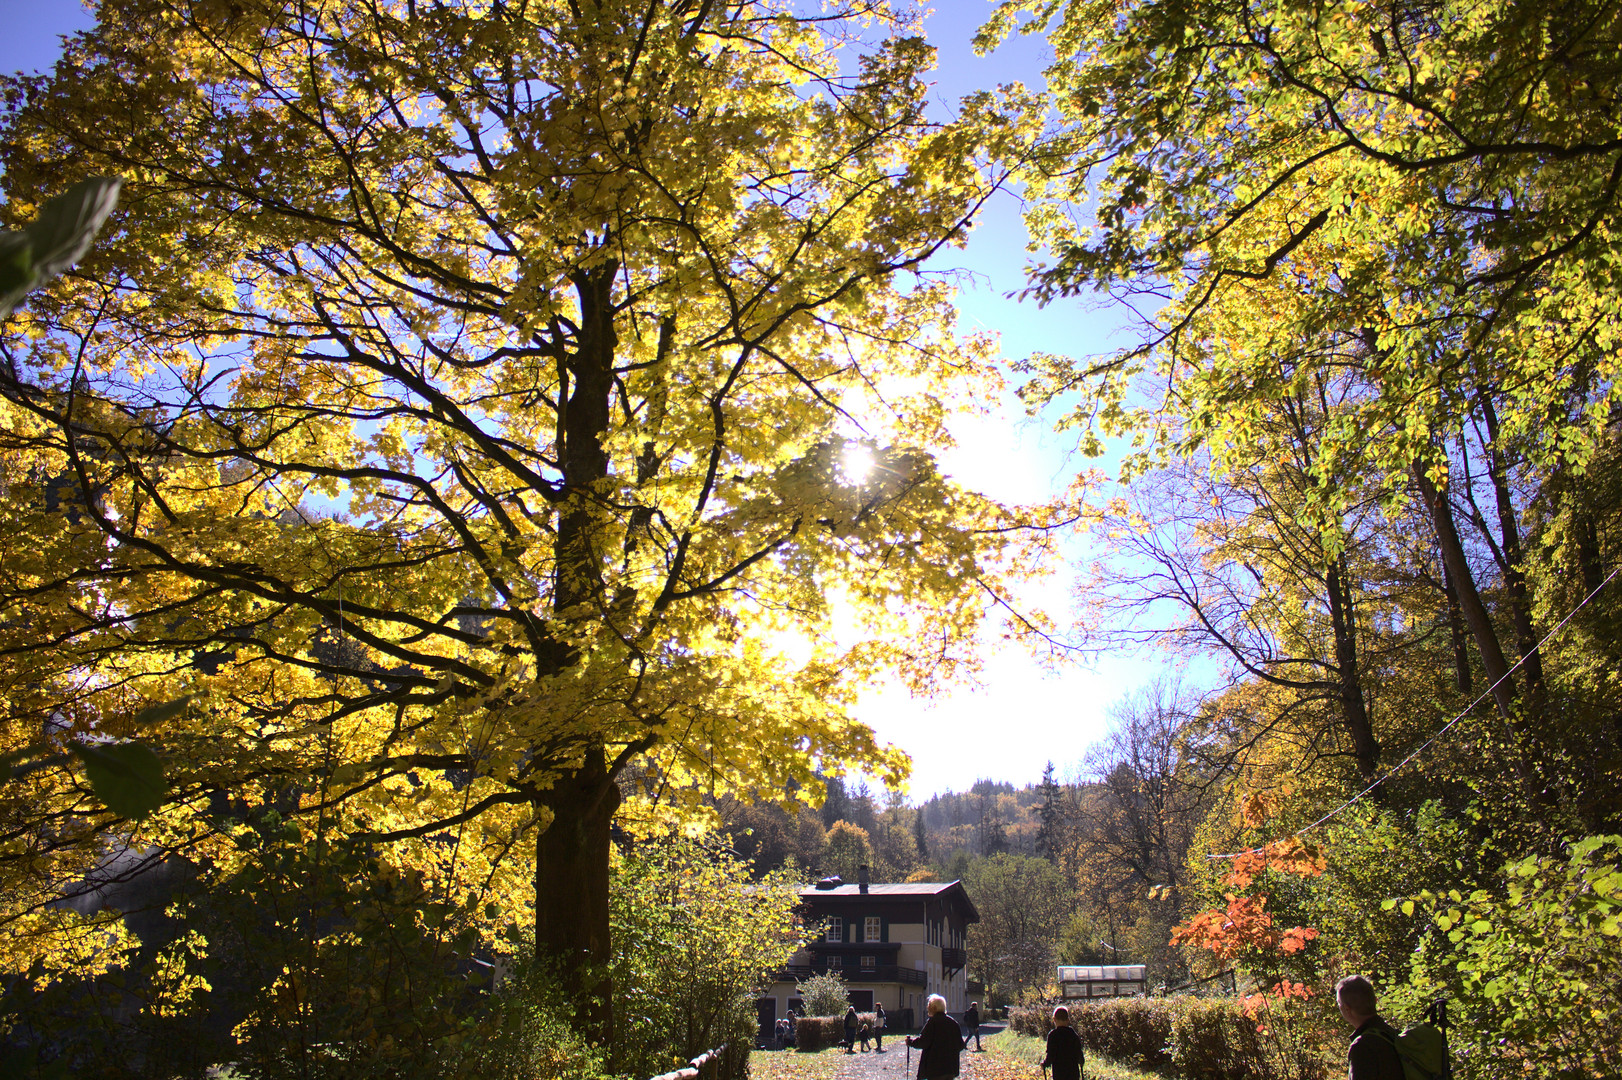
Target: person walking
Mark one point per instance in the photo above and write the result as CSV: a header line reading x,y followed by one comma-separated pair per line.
x,y
1065,1055
1372,1054
879,1020
850,1029
939,1043
971,1020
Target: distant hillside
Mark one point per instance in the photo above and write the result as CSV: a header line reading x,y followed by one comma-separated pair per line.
x,y
991,817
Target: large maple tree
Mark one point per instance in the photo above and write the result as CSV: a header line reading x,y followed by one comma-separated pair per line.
x,y
487,410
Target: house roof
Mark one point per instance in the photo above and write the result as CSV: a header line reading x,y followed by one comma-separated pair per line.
x,y
897,890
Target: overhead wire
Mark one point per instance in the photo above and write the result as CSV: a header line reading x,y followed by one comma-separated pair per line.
x,y
1445,728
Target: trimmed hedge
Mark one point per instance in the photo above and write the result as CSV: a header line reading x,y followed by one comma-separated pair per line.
x,y
1129,1030
1200,1038
813,1033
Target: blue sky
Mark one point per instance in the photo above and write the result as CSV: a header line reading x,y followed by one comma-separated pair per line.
x,y
1019,715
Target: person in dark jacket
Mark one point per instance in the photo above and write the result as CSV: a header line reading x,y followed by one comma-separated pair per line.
x,y
1373,1052
879,1020
971,1021
939,1043
851,1023
1065,1054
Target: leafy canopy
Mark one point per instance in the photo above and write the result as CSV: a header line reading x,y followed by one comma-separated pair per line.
x,y
461,412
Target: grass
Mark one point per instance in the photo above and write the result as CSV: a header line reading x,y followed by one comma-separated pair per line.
x,y
793,1065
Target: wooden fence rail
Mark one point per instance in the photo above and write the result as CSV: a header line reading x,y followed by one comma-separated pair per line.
x,y
707,1066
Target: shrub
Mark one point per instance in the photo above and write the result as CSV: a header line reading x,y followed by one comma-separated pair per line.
x,y
693,933
824,995
1216,1040
826,1031
1199,1038
1029,1020
534,1036
1534,966
812,1033
1135,1030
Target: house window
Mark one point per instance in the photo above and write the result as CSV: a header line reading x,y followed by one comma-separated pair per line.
x,y
870,962
836,929
835,961
873,930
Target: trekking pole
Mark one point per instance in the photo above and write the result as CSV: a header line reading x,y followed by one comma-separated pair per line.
x,y
1438,1010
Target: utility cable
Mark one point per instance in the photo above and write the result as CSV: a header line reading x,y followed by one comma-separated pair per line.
x,y
1349,803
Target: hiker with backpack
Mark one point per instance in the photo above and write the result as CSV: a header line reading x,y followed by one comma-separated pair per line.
x,y
1378,1051
1372,1054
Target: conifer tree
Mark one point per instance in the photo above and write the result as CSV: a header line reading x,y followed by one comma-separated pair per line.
x,y
1048,840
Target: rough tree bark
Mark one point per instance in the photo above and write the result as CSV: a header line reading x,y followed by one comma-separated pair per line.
x,y
572,854
571,885
1526,640
1354,711
1456,634
1464,585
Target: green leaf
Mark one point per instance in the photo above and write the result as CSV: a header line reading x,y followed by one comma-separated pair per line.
x,y
127,777
56,240
16,272
166,710
1407,907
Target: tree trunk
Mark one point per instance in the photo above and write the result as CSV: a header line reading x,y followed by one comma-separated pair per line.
x,y
571,887
1526,642
1588,554
587,383
1481,628
1455,631
1354,712
572,855
1464,584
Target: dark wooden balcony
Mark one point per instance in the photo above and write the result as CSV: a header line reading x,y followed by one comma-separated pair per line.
x,y
954,959
855,975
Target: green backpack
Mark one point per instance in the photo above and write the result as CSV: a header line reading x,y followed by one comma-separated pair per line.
x,y
1422,1047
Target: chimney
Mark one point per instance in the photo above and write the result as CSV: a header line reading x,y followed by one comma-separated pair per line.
x,y
861,877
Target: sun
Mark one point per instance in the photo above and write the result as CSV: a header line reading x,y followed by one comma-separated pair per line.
x,y
857,463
